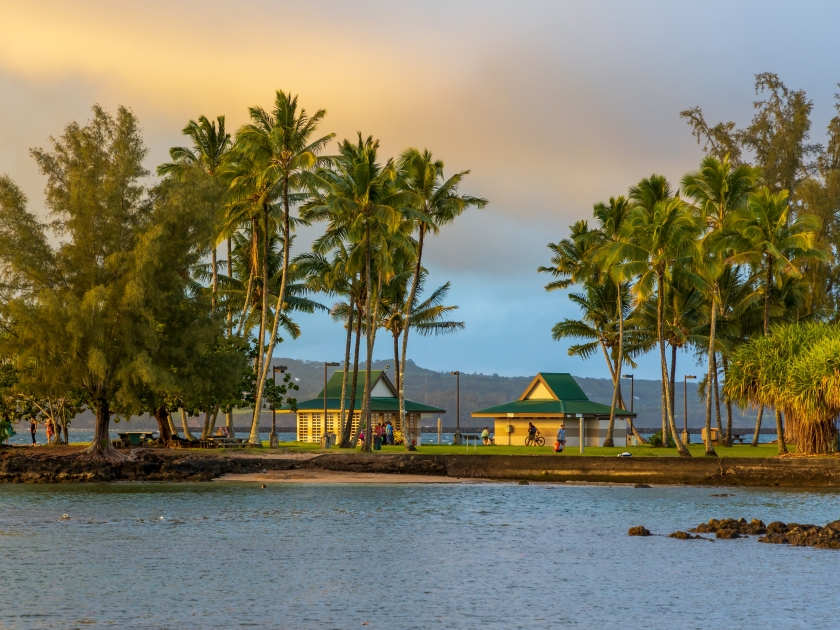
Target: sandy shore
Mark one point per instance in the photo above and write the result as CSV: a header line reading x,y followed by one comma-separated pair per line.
x,y
329,476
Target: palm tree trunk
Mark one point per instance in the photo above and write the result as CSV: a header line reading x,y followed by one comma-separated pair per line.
x,y
397,360
710,449
230,276
780,431
229,423
664,416
278,312
341,416
717,398
409,306
681,449
728,440
757,426
215,282
346,441
368,344
608,441
187,435
263,359
673,383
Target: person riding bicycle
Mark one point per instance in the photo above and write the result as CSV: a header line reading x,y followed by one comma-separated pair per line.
x,y
532,431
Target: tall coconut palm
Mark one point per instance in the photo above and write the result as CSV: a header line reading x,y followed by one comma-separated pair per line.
x,y
211,144
359,199
717,189
439,203
762,234
280,147
656,240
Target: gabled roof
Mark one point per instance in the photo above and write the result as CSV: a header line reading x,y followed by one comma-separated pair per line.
x,y
560,386
551,393
376,376
379,384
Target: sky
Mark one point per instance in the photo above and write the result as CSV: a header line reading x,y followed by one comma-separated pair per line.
x,y
552,106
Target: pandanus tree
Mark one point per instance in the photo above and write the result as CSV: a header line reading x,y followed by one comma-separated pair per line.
x,y
362,204
439,202
794,368
280,150
657,238
763,235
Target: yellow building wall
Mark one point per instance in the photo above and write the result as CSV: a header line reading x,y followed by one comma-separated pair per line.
x,y
310,425
596,431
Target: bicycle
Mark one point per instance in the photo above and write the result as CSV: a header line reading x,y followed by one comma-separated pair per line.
x,y
537,440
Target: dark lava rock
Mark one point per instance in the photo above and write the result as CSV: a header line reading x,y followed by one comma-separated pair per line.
x,y
524,483
740,526
727,533
799,535
722,495
638,531
682,536
641,485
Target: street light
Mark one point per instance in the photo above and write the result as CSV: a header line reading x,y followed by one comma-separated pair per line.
x,y
273,442
457,439
686,437
632,378
324,429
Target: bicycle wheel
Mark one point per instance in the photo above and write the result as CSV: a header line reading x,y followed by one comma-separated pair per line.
x,y
541,441
528,441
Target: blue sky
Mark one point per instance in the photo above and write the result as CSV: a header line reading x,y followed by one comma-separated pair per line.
x,y
552,105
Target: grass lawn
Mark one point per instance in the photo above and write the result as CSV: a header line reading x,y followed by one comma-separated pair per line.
x,y
762,450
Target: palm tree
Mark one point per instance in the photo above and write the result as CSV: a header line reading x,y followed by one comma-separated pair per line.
x,y
211,144
359,198
438,203
657,239
427,318
717,189
280,149
762,234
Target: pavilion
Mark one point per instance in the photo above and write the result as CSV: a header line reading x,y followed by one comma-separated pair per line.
x,y
384,405
549,399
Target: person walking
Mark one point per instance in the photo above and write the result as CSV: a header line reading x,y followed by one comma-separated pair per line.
x,y
49,428
560,444
485,436
33,428
389,433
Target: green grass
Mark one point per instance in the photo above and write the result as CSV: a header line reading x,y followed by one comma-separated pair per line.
x,y
697,450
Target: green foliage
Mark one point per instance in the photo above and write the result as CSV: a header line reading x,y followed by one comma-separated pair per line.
x,y
656,440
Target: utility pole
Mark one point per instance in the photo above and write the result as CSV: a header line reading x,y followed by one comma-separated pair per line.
x,y
457,440
273,441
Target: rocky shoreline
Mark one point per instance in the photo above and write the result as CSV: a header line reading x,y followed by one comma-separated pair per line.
x,y
20,465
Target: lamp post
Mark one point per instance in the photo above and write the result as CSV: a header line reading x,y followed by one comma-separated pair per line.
x,y
324,436
457,439
273,442
686,436
632,378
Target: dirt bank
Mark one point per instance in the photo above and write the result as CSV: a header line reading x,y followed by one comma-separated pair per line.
x,y
19,465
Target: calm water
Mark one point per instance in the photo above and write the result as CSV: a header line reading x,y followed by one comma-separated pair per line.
x,y
403,556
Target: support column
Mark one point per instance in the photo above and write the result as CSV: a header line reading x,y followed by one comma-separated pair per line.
x,y
582,433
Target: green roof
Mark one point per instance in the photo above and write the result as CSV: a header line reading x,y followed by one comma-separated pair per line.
x,y
570,400
334,384
384,405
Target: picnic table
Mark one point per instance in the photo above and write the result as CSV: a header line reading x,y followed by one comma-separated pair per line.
x,y
134,438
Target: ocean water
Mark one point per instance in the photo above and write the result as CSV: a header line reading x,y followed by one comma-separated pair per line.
x,y
494,555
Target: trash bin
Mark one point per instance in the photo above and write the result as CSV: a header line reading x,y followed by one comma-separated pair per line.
x,y
377,443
